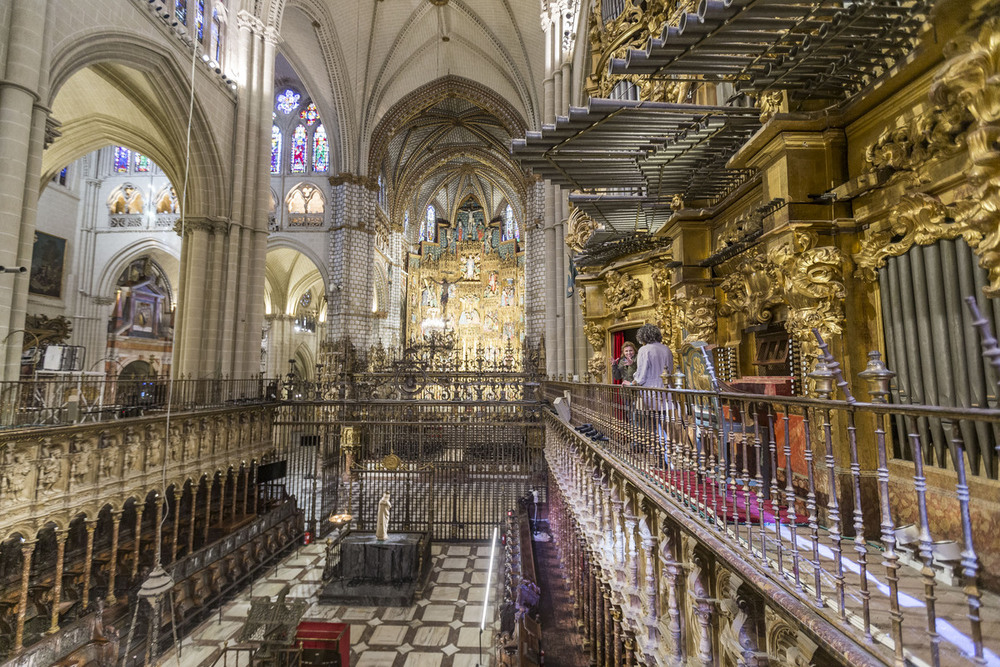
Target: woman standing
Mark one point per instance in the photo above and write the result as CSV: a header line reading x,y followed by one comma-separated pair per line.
x,y
623,368
653,361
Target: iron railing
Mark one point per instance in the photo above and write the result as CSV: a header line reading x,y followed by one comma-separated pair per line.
x,y
75,398
808,491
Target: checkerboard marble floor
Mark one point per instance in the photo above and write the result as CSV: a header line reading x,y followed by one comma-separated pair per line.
x,y
440,630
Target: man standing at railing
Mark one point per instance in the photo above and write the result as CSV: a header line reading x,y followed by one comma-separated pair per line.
x,y
653,361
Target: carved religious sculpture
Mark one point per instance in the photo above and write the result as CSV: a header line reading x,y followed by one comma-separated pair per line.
x,y
382,520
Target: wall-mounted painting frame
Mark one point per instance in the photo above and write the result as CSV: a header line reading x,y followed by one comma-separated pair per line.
x,y
47,257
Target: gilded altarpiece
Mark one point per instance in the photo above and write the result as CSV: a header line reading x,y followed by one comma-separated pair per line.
x,y
469,283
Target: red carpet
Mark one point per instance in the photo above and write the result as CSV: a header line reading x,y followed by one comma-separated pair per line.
x,y
746,505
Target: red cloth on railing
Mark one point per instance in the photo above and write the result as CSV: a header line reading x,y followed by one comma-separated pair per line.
x,y
746,504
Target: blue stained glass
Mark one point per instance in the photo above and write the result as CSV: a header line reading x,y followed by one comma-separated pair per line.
x,y
62,175
275,150
287,101
510,225
199,19
122,156
217,35
321,149
431,223
181,11
299,150
142,163
310,114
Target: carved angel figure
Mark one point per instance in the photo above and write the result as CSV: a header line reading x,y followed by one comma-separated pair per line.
x,y
15,476
109,462
49,468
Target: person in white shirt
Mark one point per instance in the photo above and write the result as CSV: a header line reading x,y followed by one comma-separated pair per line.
x,y
654,359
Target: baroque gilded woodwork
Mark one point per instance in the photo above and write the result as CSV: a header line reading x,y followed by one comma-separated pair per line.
x,y
966,111
631,29
909,146
804,278
595,335
664,308
622,291
753,289
695,314
813,289
579,228
771,103
917,219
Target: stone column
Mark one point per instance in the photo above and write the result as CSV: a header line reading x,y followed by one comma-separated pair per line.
x,y
158,527
61,536
600,628
22,137
178,492
27,551
652,613
551,335
116,518
88,565
632,551
629,645
222,499
194,520
139,509
351,260
256,492
616,623
208,509
236,488
245,474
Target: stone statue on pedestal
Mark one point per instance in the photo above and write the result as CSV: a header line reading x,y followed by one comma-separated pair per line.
x,y
382,521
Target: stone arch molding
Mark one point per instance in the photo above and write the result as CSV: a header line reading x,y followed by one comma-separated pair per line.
x,y
112,55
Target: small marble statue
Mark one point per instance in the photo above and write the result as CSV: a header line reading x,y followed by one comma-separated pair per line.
x,y
382,521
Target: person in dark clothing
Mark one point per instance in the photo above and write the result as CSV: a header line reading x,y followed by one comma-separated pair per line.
x,y
623,368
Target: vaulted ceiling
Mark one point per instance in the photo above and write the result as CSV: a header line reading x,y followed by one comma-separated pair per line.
x,y
360,58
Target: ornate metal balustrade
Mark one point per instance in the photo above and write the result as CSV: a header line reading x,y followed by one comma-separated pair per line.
x,y
808,496
454,439
72,398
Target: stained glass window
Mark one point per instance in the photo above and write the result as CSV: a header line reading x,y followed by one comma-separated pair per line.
x,y
275,150
181,11
431,223
321,149
217,35
299,150
199,19
510,225
310,114
142,163
406,221
62,175
122,156
287,101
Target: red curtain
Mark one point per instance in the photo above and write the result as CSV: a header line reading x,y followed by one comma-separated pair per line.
x,y
617,340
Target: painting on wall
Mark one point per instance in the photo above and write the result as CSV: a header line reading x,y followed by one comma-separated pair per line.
x,y
47,265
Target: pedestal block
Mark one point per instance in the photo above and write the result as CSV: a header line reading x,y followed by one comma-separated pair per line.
x,y
371,572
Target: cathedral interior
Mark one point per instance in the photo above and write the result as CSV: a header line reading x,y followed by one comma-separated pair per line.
x,y
313,316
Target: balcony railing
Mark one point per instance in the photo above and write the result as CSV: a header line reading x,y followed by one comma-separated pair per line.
x,y
78,398
809,492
